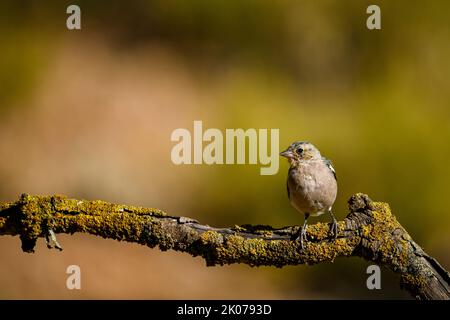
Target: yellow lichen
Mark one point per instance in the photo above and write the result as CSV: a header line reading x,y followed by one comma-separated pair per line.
x,y
2,222
318,231
211,237
413,283
380,233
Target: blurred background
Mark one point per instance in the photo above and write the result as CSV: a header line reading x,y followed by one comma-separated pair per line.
x,y
88,113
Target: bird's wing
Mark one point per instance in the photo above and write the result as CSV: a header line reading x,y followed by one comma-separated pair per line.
x,y
330,166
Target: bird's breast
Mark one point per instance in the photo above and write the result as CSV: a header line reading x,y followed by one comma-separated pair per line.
x,y
312,189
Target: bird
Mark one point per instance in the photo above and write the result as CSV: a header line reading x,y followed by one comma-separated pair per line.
x,y
311,184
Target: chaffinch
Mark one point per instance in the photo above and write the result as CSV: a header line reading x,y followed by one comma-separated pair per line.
x,y
311,184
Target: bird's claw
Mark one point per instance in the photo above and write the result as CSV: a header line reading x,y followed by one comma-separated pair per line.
x,y
302,236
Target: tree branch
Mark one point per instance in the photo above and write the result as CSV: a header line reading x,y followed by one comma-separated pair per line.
x,y
369,231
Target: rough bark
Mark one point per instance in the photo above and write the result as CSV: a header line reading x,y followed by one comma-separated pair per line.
x,y
369,231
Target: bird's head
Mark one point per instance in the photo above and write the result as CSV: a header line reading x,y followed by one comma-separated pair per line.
x,y
300,151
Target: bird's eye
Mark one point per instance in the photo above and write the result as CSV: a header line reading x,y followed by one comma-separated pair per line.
x,y
299,150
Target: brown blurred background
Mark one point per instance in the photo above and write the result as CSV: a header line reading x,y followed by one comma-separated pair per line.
x,y
89,114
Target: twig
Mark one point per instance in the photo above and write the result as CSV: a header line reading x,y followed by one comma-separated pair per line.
x,y
369,231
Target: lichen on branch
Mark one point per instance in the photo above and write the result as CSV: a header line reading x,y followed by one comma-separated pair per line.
x,y
369,231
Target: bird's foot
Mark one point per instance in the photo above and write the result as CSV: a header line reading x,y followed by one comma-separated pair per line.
x,y
334,228
301,236
51,241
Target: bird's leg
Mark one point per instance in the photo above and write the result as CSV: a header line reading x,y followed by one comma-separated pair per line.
x,y
302,232
334,225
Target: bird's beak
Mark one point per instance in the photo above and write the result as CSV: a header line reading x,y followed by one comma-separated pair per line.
x,y
287,154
